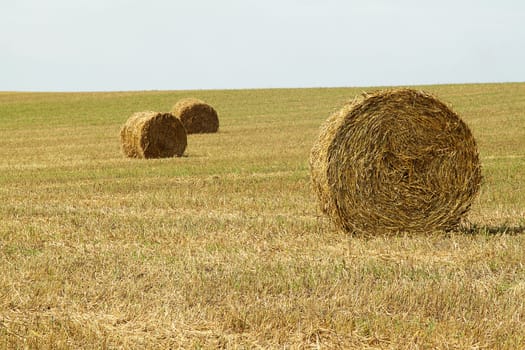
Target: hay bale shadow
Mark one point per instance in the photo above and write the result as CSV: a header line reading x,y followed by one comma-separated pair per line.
x,y
503,229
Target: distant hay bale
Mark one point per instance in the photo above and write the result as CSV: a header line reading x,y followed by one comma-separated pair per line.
x,y
153,135
395,160
196,116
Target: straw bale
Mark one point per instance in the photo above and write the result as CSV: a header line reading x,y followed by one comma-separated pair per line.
x,y
196,116
153,135
396,160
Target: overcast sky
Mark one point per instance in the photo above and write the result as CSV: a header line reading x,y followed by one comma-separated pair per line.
x,y
104,45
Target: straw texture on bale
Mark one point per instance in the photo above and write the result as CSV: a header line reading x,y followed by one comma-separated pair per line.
x,y
196,116
395,161
153,135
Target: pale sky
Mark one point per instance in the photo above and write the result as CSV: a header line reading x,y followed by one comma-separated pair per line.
x,y
106,45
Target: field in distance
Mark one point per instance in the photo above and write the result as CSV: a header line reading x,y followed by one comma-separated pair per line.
x,y
225,247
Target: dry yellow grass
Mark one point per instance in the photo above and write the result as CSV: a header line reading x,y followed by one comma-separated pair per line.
x,y
225,247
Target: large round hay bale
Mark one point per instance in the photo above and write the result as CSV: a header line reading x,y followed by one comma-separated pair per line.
x,y
153,135
395,161
196,116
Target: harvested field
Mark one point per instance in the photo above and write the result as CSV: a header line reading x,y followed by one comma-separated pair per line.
x,y
227,248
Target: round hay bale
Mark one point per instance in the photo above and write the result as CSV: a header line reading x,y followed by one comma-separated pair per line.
x,y
196,116
153,135
395,161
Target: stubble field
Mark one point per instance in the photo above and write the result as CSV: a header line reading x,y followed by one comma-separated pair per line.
x,y
226,248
